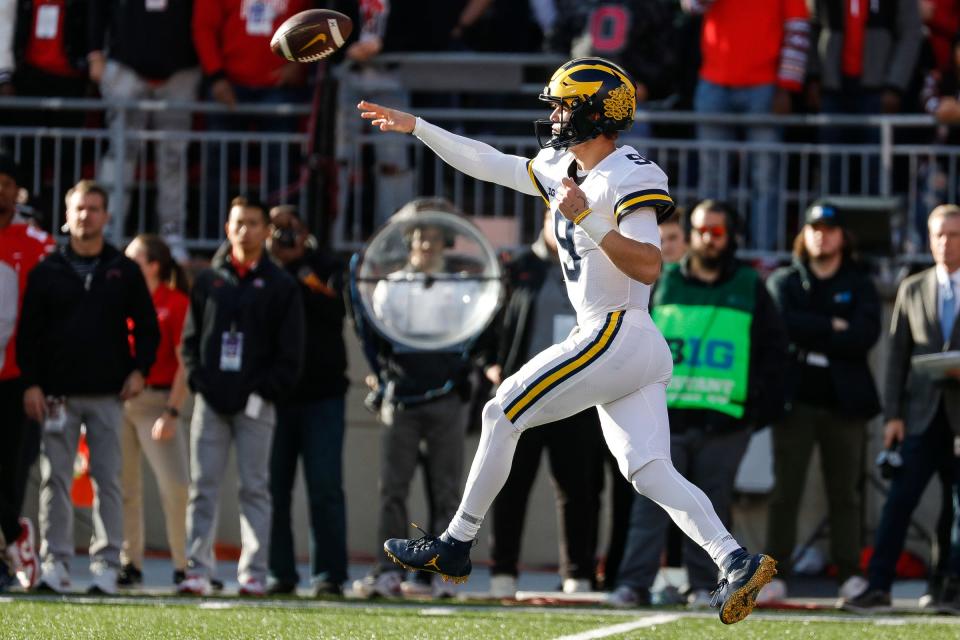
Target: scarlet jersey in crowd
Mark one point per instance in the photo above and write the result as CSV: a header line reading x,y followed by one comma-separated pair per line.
x,y
22,246
171,305
751,42
232,37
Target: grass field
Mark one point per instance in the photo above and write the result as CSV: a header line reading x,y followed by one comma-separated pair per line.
x,y
235,619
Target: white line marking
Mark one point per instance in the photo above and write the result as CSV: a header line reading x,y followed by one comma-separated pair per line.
x,y
603,632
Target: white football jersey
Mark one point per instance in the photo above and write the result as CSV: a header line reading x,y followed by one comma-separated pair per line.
x,y
622,184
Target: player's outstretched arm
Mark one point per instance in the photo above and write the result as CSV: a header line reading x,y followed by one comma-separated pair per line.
x,y
474,158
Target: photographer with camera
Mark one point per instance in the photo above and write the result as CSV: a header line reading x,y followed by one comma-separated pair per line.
x,y
922,414
420,395
310,423
832,313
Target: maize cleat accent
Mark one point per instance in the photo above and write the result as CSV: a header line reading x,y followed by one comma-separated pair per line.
x,y
743,578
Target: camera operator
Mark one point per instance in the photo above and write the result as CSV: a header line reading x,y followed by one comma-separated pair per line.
x,y
310,423
922,414
421,396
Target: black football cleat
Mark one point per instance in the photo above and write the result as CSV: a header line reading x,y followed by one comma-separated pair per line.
x,y
449,559
743,577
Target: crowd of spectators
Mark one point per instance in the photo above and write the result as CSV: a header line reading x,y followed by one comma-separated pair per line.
x,y
709,56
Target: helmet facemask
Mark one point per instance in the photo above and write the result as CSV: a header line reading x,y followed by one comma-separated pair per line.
x,y
575,125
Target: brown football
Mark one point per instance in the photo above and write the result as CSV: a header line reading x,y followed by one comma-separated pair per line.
x,y
311,35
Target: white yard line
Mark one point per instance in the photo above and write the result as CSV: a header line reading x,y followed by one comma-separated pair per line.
x,y
616,629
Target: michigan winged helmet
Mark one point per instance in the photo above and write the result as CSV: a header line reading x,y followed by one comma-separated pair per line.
x,y
598,97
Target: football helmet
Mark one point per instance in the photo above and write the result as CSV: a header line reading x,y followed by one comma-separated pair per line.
x,y
598,97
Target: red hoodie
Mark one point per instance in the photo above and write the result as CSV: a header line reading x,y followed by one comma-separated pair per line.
x,y
752,42
232,37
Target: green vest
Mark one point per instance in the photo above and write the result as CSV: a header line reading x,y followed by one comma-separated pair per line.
x,y
708,330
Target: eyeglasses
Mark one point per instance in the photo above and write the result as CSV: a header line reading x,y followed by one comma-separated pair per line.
x,y
717,231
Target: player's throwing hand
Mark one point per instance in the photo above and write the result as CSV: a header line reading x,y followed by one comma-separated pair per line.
x,y
385,118
572,199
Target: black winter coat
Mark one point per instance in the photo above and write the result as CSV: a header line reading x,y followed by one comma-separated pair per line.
x,y
73,337
854,298
265,306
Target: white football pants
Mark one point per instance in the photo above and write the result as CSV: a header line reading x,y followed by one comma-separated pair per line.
x,y
622,366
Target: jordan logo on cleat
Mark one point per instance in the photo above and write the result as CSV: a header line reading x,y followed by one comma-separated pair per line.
x,y
433,562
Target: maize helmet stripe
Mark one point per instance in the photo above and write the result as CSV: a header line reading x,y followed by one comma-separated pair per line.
x,y
563,74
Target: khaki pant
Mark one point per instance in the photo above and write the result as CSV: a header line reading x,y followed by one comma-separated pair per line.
x,y
168,460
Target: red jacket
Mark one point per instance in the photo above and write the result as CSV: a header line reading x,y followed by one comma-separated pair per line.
x,y
752,42
942,27
232,37
22,246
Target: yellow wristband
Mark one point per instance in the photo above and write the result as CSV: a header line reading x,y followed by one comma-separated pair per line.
x,y
583,214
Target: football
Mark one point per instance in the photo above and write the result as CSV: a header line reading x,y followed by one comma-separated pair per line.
x,y
311,35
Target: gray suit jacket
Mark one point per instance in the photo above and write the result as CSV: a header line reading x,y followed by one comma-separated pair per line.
x,y
915,330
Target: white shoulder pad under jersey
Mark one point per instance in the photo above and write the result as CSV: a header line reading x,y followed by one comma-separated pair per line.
x,y
622,184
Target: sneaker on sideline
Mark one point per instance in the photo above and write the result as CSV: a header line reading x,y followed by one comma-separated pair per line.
x,y
624,597
23,557
444,589
195,586
129,576
503,585
773,591
698,599
104,579
853,587
868,602
413,588
386,584
577,585
325,588
54,576
253,588
7,577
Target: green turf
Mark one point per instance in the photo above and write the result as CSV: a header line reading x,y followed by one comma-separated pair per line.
x,y
52,620
34,619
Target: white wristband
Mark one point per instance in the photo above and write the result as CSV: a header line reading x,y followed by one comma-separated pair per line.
x,y
595,226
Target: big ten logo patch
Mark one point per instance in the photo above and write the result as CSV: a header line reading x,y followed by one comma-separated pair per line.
x,y
694,352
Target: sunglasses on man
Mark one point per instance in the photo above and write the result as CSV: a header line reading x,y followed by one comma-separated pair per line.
x,y
717,230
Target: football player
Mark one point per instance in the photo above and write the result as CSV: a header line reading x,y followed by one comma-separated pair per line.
x,y
606,201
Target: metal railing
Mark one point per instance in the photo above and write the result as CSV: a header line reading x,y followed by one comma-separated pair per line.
x,y
804,169
376,173
211,166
